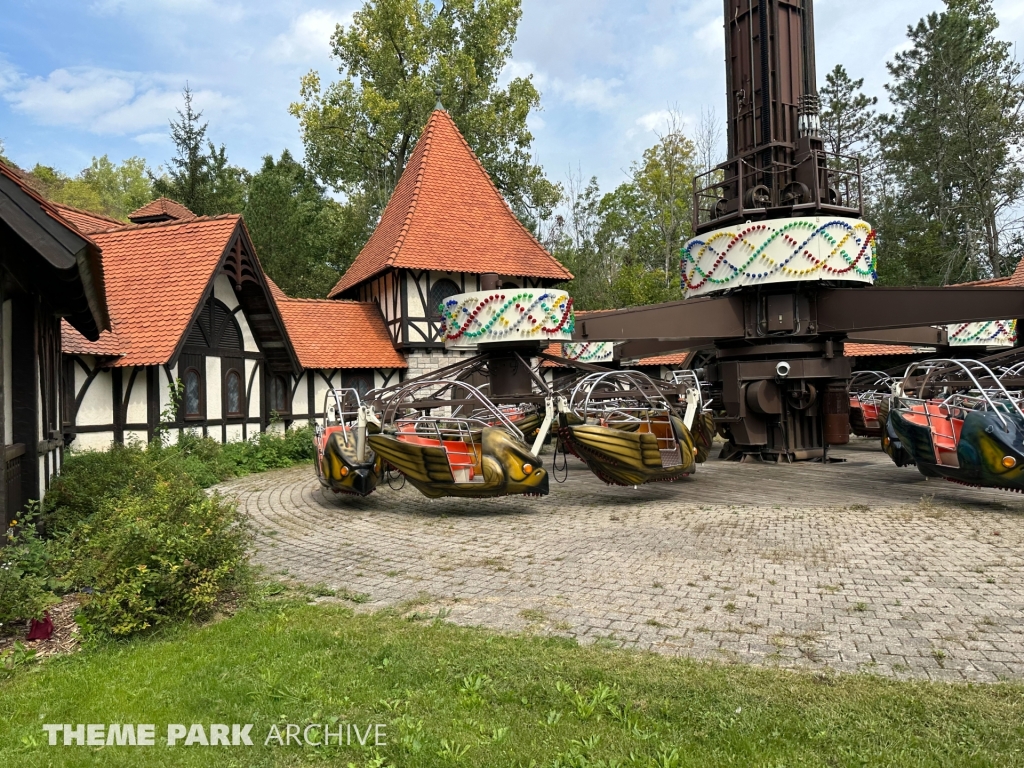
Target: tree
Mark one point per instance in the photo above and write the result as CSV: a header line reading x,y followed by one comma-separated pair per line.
x,y
198,177
623,246
952,149
297,230
360,131
104,187
664,180
849,127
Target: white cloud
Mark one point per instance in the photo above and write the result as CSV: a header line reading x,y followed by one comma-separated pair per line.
x,y
592,92
102,101
309,36
654,121
711,37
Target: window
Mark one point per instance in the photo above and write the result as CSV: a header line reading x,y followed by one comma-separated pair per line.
x,y
279,395
440,291
360,382
193,394
233,393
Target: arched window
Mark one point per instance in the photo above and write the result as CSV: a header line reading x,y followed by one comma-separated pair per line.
x,y
193,394
279,394
440,291
233,393
361,382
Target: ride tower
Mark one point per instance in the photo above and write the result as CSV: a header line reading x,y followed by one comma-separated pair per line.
x,y
779,273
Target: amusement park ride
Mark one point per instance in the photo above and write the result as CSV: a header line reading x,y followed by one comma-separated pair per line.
x,y
778,277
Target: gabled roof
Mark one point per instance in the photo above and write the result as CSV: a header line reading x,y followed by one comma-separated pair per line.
x,y
447,215
50,254
156,277
338,334
161,209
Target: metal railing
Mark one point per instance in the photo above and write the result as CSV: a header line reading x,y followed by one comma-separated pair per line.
x,y
739,189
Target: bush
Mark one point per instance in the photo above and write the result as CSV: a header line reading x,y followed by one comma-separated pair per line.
x,y
147,559
133,527
26,581
88,478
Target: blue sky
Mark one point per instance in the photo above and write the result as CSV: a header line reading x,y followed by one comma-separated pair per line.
x,y
94,77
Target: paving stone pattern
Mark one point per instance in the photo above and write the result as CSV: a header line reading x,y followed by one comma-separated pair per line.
x,y
854,566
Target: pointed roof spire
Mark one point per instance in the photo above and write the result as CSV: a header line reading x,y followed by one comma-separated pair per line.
x,y
437,92
446,215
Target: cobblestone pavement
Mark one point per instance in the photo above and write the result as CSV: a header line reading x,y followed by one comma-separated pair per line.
x,y
851,566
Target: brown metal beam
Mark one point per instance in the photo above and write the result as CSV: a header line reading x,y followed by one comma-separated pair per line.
x,y
926,335
720,317
654,347
849,310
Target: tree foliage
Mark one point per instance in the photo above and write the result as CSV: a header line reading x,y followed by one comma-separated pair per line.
x,y
299,233
951,151
623,246
199,176
359,131
105,187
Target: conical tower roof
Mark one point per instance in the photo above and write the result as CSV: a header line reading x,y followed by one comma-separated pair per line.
x,y
447,215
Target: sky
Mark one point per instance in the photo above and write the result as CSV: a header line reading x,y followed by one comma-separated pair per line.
x,y
84,78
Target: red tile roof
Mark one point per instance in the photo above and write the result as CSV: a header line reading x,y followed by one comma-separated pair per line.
x,y
337,334
1016,280
155,276
161,209
447,215
868,350
675,359
86,222
275,291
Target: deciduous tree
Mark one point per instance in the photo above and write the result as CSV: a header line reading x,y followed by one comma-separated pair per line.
x,y
360,130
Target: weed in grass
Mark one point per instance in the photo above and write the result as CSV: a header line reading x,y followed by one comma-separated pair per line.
x,y
352,597
451,750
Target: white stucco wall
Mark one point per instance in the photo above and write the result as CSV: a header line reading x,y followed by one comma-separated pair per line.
x,y
214,374
93,441
253,404
98,404
138,412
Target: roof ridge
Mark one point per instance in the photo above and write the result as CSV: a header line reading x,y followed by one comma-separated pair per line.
x,y
131,227
426,139
325,301
93,214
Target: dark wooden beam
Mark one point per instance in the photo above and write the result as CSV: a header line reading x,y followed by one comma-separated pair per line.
x,y
850,310
720,317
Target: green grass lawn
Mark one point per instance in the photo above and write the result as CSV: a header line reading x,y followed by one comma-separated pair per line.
x,y
453,696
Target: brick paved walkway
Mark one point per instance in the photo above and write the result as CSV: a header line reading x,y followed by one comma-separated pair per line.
x,y
852,566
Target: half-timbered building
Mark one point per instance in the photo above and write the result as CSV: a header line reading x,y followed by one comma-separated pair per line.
x,y
445,226
49,270
339,345
196,340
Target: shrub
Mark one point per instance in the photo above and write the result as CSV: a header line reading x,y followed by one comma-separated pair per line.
x,y
88,478
26,581
147,559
